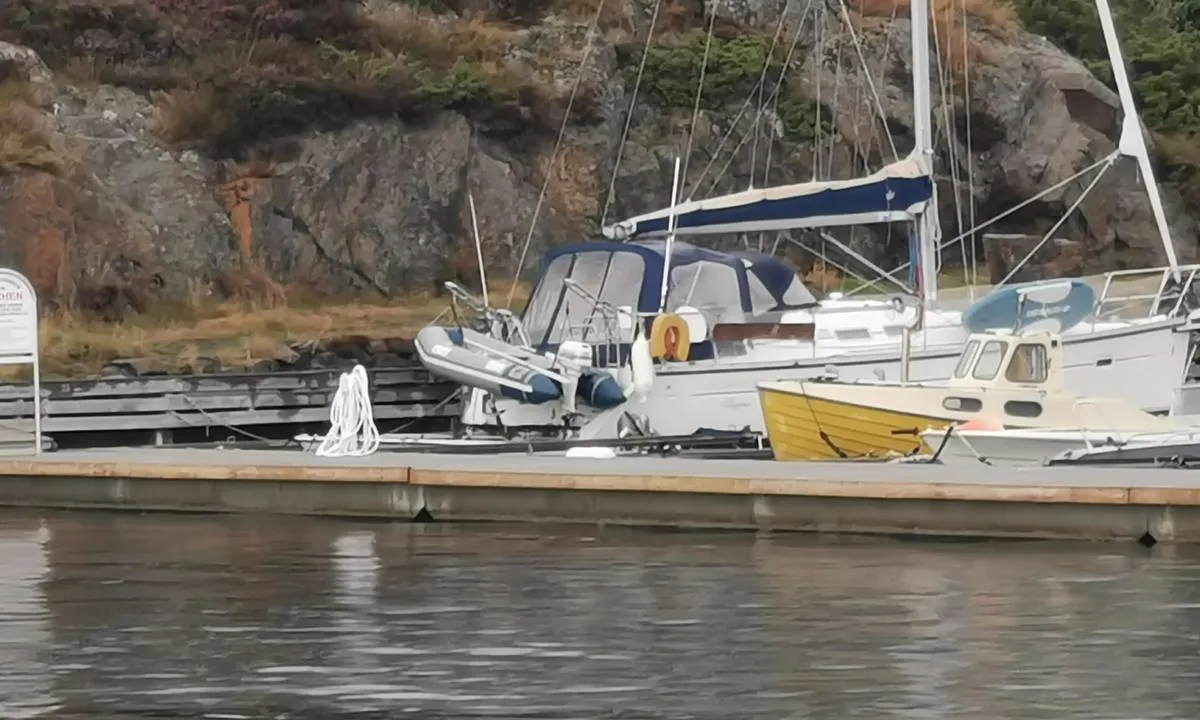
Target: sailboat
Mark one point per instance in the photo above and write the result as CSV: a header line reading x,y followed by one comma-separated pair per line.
x,y
687,333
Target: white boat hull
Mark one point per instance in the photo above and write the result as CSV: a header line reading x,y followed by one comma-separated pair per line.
x,y
1011,447
1037,446
1143,364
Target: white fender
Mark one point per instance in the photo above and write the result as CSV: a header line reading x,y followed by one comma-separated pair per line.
x,y
641,367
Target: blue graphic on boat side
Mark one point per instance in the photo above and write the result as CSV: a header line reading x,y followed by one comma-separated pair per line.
x,y
1066,302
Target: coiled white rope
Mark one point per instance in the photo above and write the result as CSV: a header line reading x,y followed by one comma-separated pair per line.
x,y
352,430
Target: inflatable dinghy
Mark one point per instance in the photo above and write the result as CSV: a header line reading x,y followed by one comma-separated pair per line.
x,y
476,360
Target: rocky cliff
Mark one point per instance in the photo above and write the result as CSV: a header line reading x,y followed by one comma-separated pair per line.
x,y
152,150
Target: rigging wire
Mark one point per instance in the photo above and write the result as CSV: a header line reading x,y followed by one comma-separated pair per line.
x,y
761,86
637,83
1078,201
970,152
589,44
837,89
818,66
720,146
1108,159
870,81
775,93
746,136
883,58
945,77
687,153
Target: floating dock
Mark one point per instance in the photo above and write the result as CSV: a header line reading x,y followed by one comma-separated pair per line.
x,y
1147,505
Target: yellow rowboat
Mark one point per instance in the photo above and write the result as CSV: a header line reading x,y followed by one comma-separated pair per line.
x,y
803,425
1013,380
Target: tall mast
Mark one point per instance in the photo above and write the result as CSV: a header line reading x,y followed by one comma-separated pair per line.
x,y
929,229
1132,141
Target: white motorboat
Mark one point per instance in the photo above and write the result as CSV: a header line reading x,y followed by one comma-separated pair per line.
x,y
1109,437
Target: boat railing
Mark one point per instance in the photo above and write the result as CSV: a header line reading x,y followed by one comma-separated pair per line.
x,y
868,305
602,324
500,323
1110,430
1143,293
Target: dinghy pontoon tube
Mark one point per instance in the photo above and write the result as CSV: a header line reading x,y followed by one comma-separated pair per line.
x,y
477,360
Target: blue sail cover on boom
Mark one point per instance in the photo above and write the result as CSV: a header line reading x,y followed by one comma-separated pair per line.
x,y
897,192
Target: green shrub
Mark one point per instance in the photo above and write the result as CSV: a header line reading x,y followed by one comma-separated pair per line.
x,y
1161,46
804,120
672,71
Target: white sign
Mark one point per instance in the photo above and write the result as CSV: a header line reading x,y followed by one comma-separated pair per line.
x,y
19,342
18,319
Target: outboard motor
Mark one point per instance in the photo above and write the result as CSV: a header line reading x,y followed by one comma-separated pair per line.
x,y
573,358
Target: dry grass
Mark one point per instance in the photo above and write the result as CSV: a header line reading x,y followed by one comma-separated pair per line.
x,y
954,21
614,14
188,113
238,334
87,72
674,19
439,40
26,140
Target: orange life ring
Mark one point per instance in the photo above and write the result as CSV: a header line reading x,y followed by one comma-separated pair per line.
x,y
669,338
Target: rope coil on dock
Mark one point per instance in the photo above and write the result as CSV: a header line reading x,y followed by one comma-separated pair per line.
x,y
352,431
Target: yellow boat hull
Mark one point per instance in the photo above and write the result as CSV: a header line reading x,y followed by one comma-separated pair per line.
x,y
807,428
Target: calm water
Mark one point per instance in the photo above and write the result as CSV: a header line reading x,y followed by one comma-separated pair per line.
x,y
166,616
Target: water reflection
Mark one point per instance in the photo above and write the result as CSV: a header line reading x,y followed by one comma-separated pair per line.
x,y
170,615
24,623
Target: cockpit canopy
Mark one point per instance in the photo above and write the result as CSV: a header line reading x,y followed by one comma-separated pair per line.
x,y
731,287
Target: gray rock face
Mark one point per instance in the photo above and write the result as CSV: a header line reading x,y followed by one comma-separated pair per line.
x,y
1049,119
29,65
109,130
382,206
127,222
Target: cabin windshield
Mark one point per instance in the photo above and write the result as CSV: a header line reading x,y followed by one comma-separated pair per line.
x,y
555,313
964,360
1028,364
990,358
710,287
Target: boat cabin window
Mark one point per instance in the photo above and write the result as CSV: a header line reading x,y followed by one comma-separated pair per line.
x,y
1023,408
539,312
761,299
962,404
964,361
990,358
1028,364
555,314
712,288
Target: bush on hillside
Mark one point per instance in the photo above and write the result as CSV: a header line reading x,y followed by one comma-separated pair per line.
x,y
230,75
